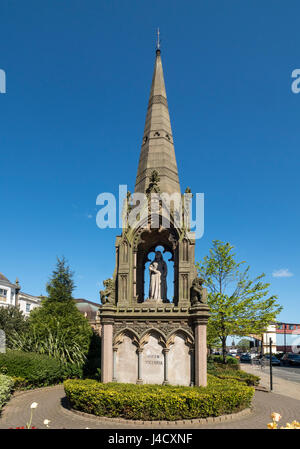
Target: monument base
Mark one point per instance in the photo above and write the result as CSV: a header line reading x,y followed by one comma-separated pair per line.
x,y
155,343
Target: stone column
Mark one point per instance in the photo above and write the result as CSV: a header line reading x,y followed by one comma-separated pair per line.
x,y
192,356
107,351
140,375
200,354
114,379
165,353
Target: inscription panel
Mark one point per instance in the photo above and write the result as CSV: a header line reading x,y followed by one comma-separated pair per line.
x,y
179,363
152,362
126,362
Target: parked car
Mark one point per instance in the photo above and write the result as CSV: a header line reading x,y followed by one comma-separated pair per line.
x,y
275,360
291,359
245,358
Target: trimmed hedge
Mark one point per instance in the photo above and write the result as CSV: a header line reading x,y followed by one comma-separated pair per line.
x,y
227,373
6,387
219,359
157,402
35,370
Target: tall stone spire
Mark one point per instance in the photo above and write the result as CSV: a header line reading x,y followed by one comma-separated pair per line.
x,y
157,152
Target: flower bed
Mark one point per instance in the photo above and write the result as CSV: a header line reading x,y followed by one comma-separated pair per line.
x,y
6,387
157,402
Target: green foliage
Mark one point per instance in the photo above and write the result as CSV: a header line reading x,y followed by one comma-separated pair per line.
x,y
157,402
238,305
219,359
61,284
219,371
35,370
92,365
12,320
212,338
57,328
56,343
244,344
6,387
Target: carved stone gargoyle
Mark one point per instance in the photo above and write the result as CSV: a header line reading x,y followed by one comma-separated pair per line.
x,y
108,295
198,293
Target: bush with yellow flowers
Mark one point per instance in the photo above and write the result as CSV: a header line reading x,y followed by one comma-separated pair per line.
x,y
158,402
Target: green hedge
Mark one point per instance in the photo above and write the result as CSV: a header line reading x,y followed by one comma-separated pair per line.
x,y
35,370
156,402
227,373
219,359
6,387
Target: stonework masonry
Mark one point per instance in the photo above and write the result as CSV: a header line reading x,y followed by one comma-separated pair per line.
x,y
155,339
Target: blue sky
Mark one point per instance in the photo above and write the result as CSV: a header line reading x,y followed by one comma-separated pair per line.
x,y
78,80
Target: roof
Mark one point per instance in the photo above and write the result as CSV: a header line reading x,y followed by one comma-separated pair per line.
x,y
87,307
82,300
3,278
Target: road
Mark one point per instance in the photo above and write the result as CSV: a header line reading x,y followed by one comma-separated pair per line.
x,y
286,379
291,373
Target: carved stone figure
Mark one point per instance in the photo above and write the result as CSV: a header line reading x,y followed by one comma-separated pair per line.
x,y
198,293
155,287
161,267
108,295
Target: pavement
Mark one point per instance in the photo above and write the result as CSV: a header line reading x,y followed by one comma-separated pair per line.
x,y
286,380
52,405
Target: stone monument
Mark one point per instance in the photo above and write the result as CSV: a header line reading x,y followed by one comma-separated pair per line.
x,y
146,337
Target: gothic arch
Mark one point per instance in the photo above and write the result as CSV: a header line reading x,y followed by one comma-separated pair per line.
x,y
187,336
128,332
154,333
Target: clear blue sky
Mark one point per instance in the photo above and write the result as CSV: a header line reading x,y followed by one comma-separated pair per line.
x,y
78,80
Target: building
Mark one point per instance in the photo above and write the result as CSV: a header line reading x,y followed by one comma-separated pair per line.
x,y
291,337
158,337
90,310
11,294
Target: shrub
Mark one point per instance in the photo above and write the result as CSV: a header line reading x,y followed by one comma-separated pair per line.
x,y
227,373
157,402
59,328
219,359
6,386
35,370
12,320
56,343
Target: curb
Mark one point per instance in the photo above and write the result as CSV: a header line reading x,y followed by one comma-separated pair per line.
x,y
18,393
209,420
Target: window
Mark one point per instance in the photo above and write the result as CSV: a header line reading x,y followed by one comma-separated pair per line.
x,y
27,307
3,294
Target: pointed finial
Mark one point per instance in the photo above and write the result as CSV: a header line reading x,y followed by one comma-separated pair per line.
x,y
158,42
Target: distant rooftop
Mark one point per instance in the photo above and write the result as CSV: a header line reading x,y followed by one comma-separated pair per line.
x,y
3,278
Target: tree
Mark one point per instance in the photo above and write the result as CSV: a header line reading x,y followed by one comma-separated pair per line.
x,y
244,344
212,338
57,324
238,305
12,320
